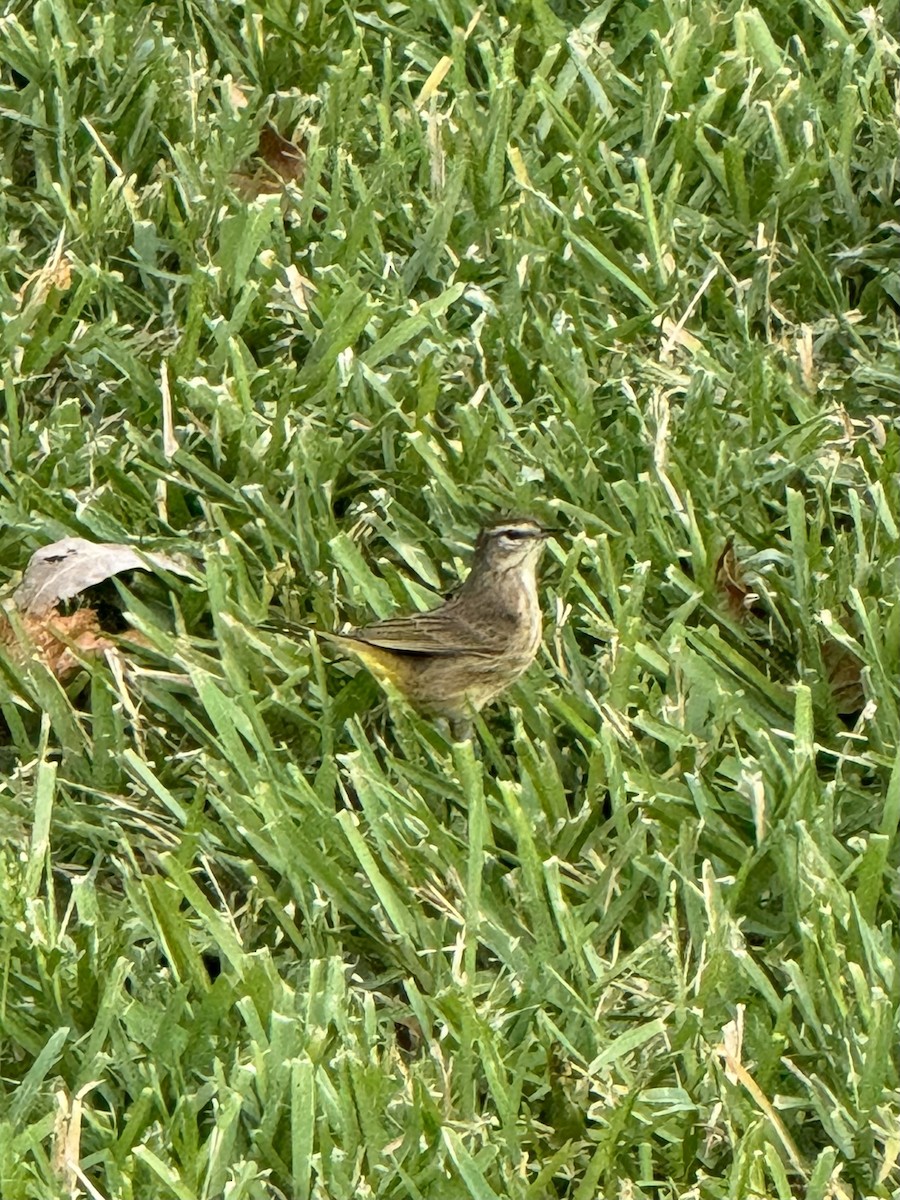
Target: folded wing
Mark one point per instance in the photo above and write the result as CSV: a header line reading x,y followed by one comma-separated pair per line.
x,y
434,633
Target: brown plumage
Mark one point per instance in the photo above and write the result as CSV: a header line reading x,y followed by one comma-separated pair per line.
x,y
454,660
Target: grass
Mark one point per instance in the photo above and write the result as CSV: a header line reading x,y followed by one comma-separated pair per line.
x,y
630,269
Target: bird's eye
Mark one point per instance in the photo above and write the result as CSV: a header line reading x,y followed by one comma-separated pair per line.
x,y
516,534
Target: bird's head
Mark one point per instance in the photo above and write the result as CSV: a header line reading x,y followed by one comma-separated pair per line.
x,y
510,544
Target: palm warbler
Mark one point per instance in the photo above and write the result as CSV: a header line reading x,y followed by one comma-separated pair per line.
x,y
454,660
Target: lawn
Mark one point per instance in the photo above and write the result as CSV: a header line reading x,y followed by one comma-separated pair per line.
x,y
303,294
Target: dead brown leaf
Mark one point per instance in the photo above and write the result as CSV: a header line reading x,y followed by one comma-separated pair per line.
x,y
58,641
276,163
843,670
281,156
32,624
732,585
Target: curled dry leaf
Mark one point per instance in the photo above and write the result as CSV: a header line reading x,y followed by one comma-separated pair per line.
x,y
65,568
60,572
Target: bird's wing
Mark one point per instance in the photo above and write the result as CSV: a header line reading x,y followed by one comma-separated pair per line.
x,y
424,633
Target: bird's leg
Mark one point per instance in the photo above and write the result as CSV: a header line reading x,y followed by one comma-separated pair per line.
x,y
462,729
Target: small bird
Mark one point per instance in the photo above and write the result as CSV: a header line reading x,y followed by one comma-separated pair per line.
x,y
450,662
